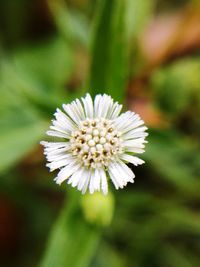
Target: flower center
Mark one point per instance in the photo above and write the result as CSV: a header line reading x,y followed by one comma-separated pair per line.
x,y
96,143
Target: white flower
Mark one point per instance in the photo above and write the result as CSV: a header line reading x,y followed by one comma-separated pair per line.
x,y
96,144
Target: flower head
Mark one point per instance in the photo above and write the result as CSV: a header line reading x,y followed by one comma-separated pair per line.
x,y
96,144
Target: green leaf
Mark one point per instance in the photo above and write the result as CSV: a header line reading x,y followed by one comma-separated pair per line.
x,y
20,127
38,74
109,59
72,241
73,26
168,154
16,141
46,65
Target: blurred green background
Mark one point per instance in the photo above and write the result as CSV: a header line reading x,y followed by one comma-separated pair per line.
x,y
146,54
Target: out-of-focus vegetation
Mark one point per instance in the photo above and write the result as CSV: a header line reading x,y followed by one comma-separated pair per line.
x,y
145,54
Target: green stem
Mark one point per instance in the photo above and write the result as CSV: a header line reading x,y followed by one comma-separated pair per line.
x,y
72,241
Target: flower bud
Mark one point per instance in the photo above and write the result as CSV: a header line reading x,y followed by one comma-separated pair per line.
x,y
97,208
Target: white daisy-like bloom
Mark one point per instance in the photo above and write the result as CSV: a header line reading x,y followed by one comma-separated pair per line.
x,y
96,144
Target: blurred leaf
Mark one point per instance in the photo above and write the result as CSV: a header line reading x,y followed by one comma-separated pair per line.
x,y
18,138
72,25
21,127
175,257
180,218
39,74
138,14
109,62
180,78
155,221
72,241
168,153
108,257
47,65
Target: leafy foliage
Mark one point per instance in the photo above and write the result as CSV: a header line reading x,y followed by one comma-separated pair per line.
x,y
108,70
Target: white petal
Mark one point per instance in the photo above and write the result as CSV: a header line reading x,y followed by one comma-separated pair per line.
x,y
102,106
135,146
88,106
97,180
134,160
127,121
114,111
132,125
57,157
85,186
76,176
79,109
136,143
69,109
121,175
135,133
58,134
58,164
60,126
65,120
55,148
125,172
115,176
66,172
54,145
125,118
135,150
97,106
60,130
139,129
83,180
91,185
55,151
104,184
107,104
